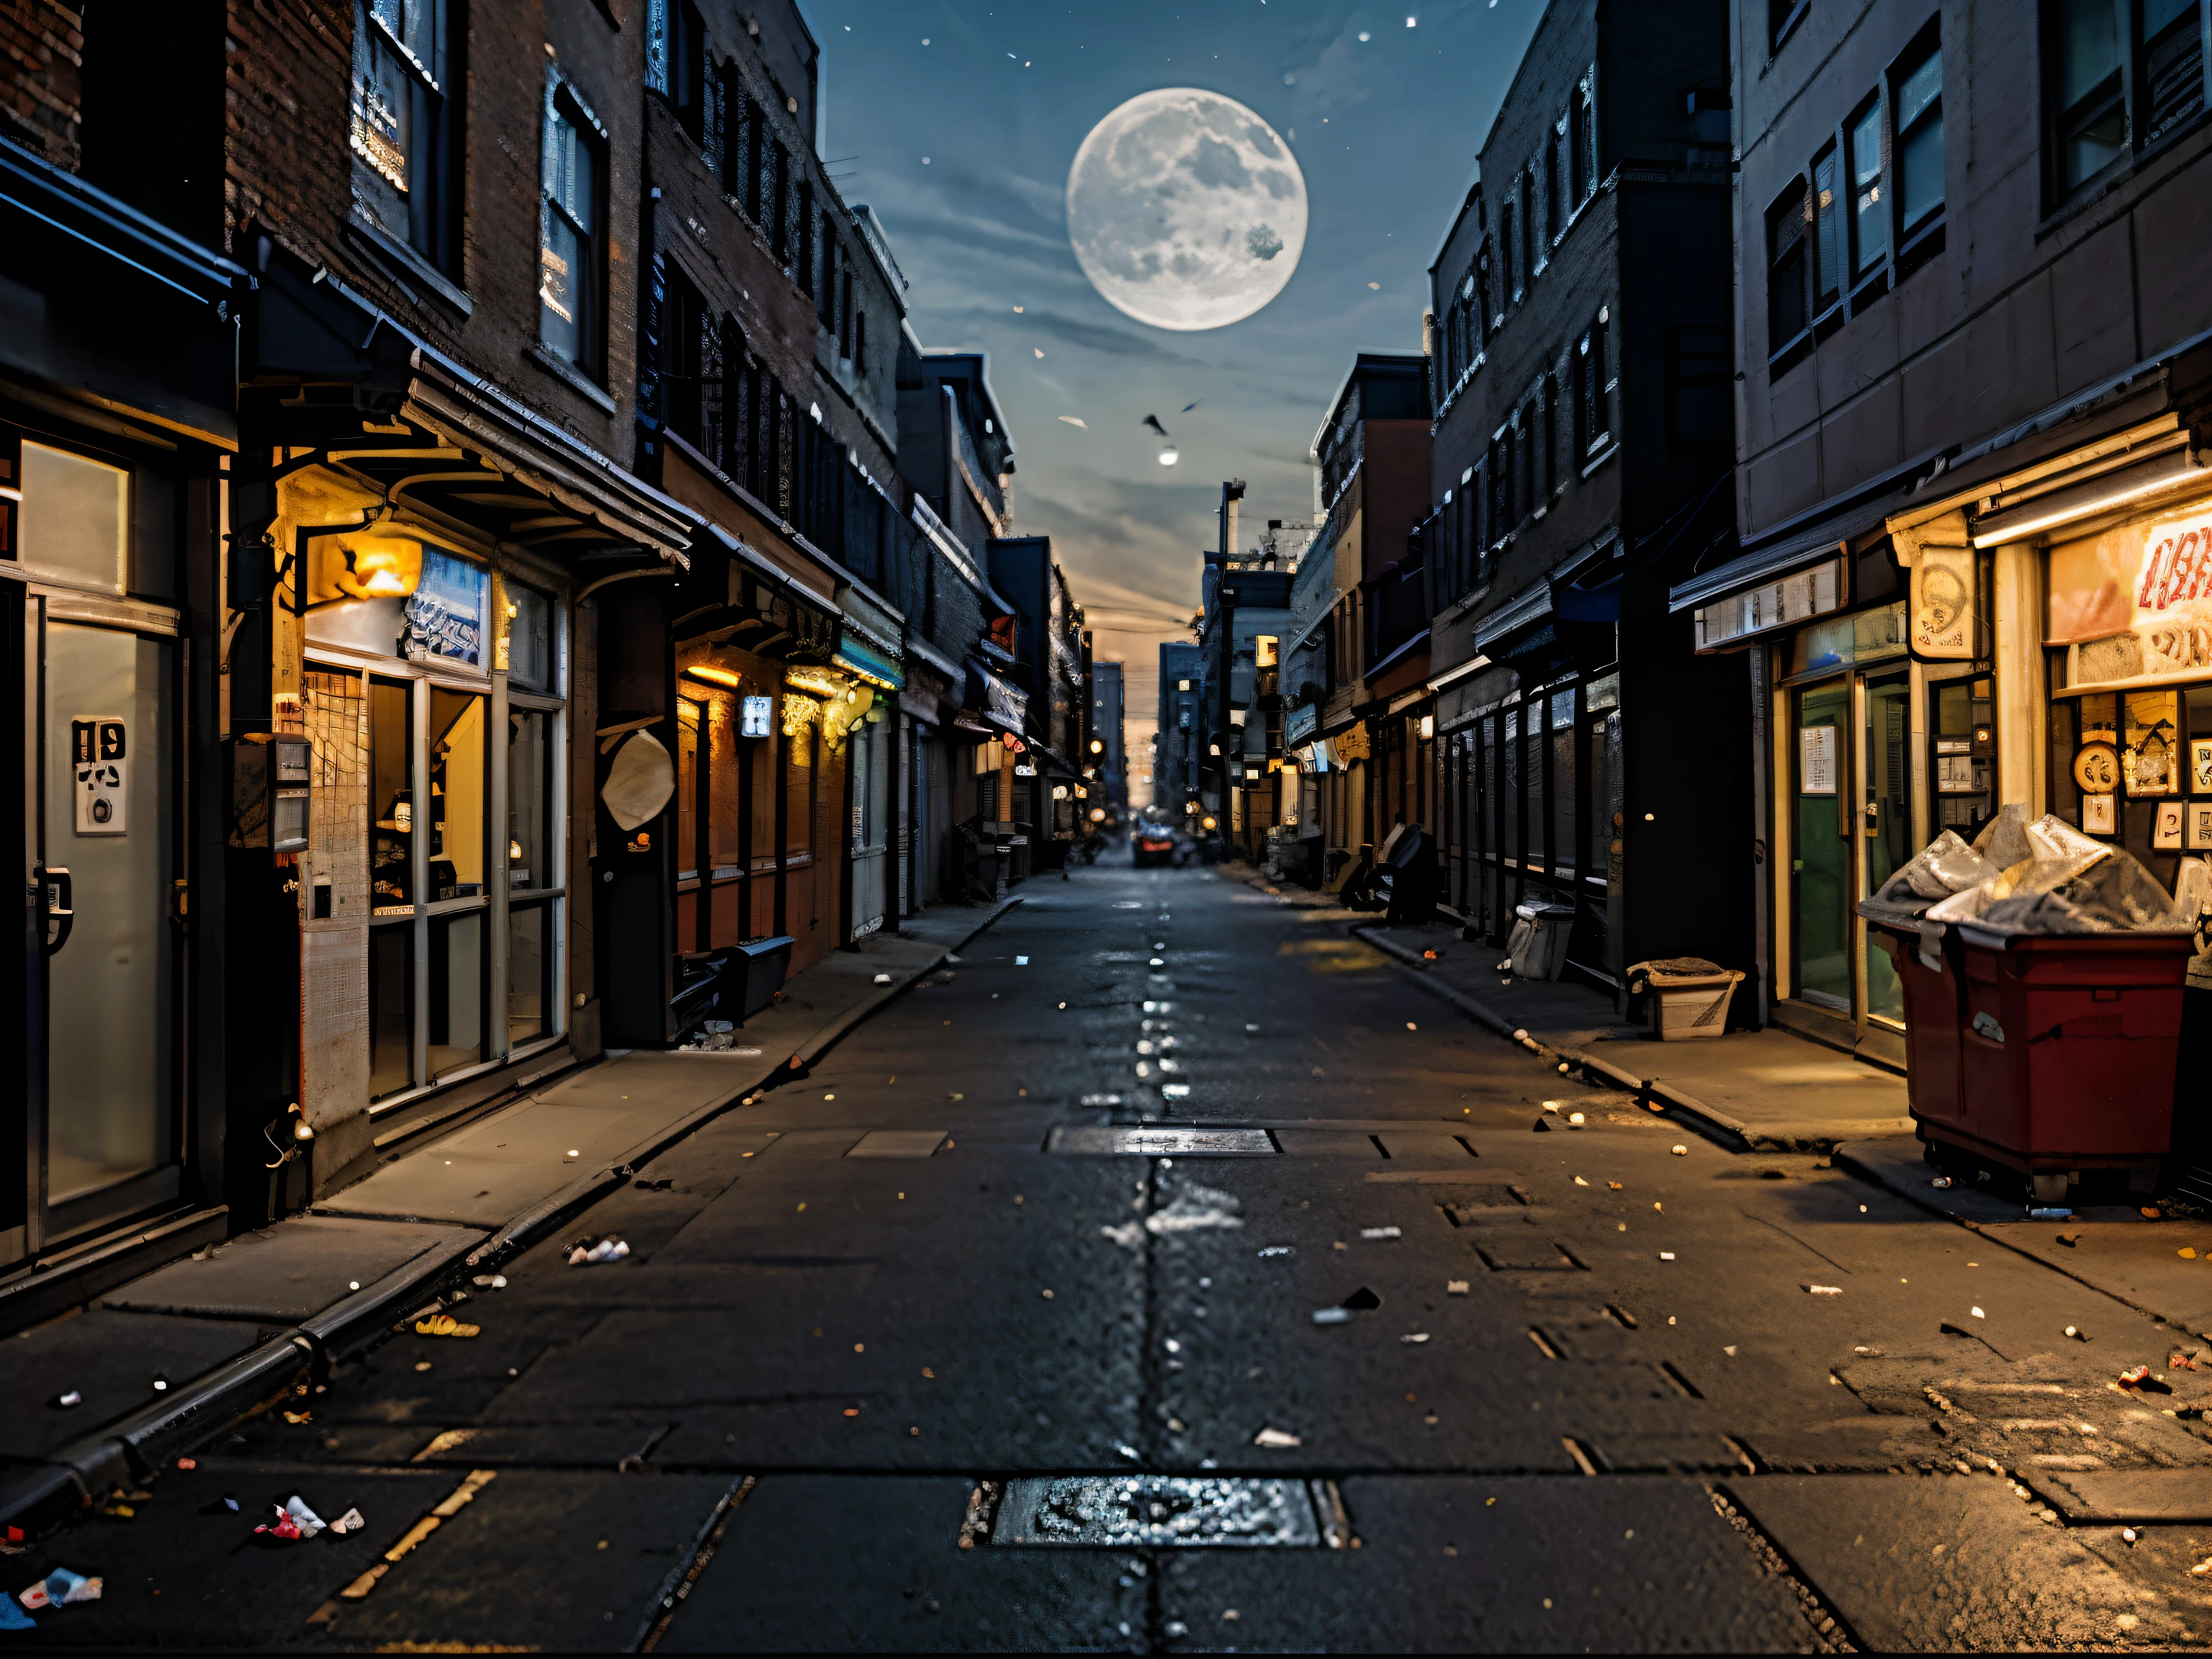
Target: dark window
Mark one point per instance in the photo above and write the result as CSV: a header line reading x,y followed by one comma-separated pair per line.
x,y
1827,233
2123,74
687,68
1590,372
1782,16
845,315
570,290
1555,210
809,281
1916,94
2091,128
1584,121
1785,267
753,177
2172,56
404,125
1505,250
1548,412
776,184
1532,232
860,341
1869,220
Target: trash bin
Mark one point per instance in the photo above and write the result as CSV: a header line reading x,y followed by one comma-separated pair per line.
x,y
1690,996
2070,1047
1539,941
2043,973
1934,993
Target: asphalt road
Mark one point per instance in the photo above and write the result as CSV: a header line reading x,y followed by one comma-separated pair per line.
x,y
1583,1391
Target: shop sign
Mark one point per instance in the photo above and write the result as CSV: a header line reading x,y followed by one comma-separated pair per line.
x,y
1943,602
2137,603
100,756
1778,603
758,716
1301,724
1351,744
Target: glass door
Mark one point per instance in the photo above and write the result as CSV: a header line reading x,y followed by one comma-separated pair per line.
x,y
1885,829
104,1127
1821,872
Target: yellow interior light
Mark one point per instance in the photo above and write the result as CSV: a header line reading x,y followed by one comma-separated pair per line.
x,y
714,675
379,564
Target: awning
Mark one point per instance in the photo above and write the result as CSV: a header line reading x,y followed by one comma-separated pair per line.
x,y
1825,537
999,702
1532,605
863,659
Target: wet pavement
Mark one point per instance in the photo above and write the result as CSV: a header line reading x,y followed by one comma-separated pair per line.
x,y
1170,1272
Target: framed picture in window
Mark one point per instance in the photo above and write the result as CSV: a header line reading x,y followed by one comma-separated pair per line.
x,y
2166,829
2200,766
2152,759
2097,815
2197,828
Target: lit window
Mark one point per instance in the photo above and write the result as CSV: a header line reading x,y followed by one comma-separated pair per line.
x,y
569,260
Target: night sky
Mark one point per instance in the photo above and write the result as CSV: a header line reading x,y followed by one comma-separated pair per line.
x,y
1385,128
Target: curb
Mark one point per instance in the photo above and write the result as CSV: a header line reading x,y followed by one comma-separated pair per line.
x,y
42,1496
1731,1132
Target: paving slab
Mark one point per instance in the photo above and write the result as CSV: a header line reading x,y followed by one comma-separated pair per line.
x,y
112,1360
288,1273
1947,1563
2126,1496
1771,1089
2127,1257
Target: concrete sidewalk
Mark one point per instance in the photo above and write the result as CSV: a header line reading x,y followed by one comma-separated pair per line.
x,y
108,1390
1771,1089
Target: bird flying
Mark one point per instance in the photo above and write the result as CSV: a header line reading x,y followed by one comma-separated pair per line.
x,y
1153,421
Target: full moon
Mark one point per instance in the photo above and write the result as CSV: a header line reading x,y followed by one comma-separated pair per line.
x,y
1186,209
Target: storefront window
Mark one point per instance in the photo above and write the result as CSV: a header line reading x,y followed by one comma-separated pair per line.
x,y
1508,788
456,964
529,964
458,775
1563,785
529,799
687,789
391,1009
1962,727
801,722
391,799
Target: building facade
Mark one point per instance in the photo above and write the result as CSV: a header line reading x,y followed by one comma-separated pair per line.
x,y
1580,465
1971,358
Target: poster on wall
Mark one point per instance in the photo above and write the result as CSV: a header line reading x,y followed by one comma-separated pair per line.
x,y
2136,602
2151,761
1816,760
1943,602
99,764
444,616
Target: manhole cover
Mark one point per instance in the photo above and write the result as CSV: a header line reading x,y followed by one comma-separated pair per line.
x,y
1164,1510
1120,1140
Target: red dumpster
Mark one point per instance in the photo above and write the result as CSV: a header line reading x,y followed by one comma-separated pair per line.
x,y
1933,1020
2069,1049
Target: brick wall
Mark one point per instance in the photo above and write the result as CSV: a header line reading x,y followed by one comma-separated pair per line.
x,y
40,86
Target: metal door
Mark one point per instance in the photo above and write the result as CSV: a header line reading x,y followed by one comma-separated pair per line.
x,y
99,837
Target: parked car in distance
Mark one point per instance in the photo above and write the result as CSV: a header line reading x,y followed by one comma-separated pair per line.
x,y
1153,843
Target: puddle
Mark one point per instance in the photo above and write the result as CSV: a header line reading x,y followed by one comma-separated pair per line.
x,y
1125,1510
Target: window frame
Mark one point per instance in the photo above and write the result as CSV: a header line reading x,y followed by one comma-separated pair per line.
x,y
564,106
433,190
2130,97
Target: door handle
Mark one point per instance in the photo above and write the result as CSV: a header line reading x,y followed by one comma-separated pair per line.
x,y
59,898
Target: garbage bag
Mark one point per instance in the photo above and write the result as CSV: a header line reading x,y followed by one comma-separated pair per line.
x,y
1946,865
2065,883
